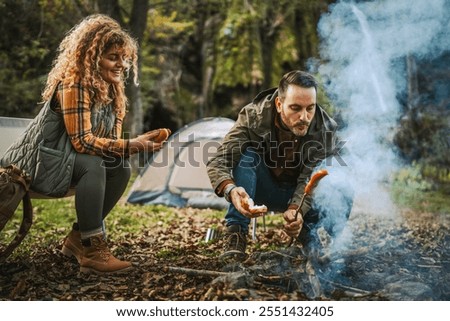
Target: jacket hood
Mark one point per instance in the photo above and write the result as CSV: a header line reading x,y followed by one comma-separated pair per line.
x,y
268,94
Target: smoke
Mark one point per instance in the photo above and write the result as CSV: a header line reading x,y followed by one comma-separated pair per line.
x,y
365,45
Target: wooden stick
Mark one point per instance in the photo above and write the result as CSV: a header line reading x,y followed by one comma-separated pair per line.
x,y
345,286
194,272
293,239
430,266
309,188
282,254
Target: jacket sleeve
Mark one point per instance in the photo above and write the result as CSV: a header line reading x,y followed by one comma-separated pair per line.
x,y
229,152
76,109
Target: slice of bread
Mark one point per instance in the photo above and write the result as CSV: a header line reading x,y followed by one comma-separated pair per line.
x,y
249,205
164,133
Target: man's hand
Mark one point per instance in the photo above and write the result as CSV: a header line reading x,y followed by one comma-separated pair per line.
x,y
292,226
238,196
145,142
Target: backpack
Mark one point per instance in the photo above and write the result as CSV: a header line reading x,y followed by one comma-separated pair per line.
x,y
14,186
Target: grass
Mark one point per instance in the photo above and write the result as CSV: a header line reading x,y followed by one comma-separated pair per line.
x,y
170,254
432,201
412,190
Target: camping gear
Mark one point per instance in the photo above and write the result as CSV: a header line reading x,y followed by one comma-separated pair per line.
x,y
14,185
176,175
212,234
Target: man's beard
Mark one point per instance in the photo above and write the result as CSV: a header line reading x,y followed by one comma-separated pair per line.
x,y
295,127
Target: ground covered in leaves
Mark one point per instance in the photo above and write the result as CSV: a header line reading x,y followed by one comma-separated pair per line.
x,y
400,257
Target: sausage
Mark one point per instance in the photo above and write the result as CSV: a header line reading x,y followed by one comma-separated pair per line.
x,y
315,180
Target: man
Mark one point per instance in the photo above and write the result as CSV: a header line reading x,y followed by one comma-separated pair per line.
x,y
269,155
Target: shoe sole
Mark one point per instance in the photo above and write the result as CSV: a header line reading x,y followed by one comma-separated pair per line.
x,y
69,253
86,270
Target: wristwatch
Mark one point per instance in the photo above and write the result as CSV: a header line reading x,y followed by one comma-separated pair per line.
x,y
227,191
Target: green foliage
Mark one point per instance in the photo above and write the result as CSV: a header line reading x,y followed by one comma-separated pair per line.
x,y
413,178
184,98
238,55
162,28
173,30
162,31
285,51
439,174
29,35
169,254
208,58
52,221
410,188
129,219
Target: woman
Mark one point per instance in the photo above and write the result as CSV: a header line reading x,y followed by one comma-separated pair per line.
x,y
75,139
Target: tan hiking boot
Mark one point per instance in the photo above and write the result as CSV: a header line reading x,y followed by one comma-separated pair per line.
x,y
98,259
72,245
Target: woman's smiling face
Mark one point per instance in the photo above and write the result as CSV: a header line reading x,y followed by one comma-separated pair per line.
x,y
112,65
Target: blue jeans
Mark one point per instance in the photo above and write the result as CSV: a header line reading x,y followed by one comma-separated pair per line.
x,y
254,176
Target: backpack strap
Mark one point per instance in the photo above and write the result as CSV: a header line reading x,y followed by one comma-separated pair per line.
x,y
27,221
17,176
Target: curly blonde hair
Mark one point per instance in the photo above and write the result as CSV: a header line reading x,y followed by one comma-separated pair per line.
x,y
78,59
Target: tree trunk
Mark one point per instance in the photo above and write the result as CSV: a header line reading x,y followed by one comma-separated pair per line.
x,y
413,87
111,8
207,30
137,25
306,42
268,32
306,19
134,122
267,38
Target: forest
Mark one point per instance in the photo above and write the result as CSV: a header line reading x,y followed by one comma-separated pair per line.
x,y
384,73
201,58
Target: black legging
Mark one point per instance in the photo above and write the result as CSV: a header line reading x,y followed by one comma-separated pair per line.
x,y
100,182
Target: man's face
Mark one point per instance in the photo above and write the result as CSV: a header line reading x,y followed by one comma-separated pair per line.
x,y
297,109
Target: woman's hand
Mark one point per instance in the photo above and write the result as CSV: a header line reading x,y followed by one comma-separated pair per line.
x,y
293,226
145,142
163,135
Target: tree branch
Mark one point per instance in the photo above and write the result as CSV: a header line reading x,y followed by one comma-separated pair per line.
x,y
194,272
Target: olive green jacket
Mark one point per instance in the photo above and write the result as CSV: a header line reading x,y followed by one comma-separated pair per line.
x,y
255,127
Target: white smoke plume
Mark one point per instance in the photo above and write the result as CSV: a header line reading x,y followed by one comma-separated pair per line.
x,y
364,48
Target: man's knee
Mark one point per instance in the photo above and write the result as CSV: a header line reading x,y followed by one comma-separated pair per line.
x,y
250,159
